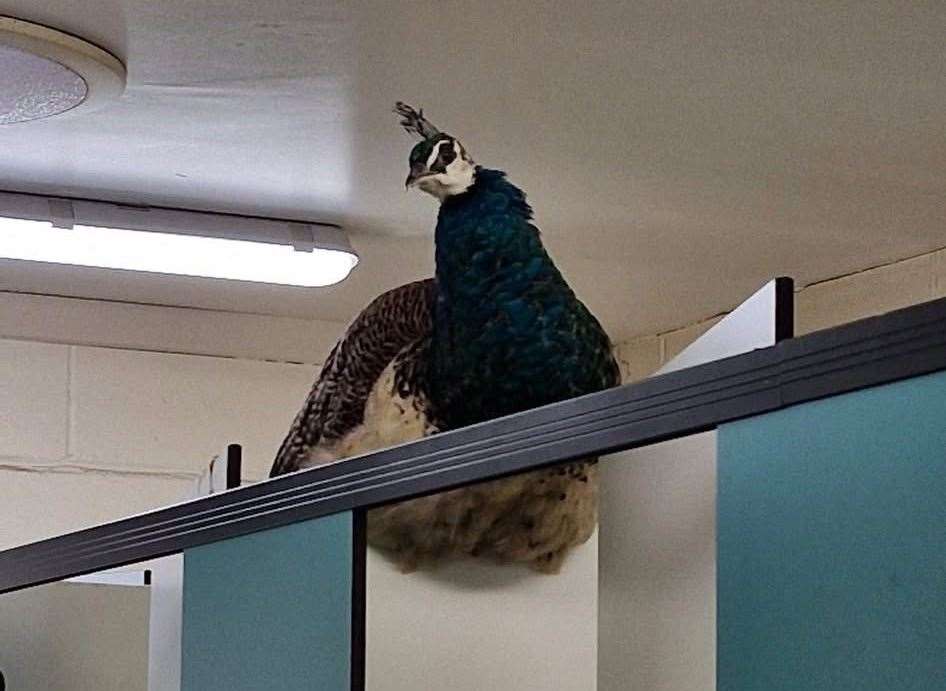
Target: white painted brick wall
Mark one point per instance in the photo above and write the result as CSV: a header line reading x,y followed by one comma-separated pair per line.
x,y
639,357
818,306
165,411
38,504
34,382
76,321
90,434
864,294
939,274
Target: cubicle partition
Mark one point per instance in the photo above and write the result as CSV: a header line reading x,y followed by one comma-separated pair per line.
x,y
829,555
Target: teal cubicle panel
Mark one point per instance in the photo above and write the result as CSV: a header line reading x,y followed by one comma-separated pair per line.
x,y
832,544
270,610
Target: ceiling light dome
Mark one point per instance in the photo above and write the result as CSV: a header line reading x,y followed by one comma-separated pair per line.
x,y
46,73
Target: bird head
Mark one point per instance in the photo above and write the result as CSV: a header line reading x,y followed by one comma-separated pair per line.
x,y
439,164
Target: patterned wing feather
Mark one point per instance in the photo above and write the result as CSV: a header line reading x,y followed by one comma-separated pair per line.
x,y
336,404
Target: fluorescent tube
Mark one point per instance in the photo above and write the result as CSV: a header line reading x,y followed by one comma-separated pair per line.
x,y
172,253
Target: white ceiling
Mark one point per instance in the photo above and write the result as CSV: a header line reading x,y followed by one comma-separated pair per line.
x,y
677,154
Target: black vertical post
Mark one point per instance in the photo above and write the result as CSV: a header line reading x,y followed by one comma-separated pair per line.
x,y
359,575
234,465
784,309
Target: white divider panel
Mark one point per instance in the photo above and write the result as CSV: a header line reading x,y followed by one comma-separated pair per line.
x,y
165,623
473,626
657,569
75,637
750,326
167,584
657,579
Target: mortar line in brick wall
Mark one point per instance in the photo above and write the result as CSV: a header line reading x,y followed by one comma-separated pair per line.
x,y
165,305
663,334
882,265
145,349
69,468
934,277
70,405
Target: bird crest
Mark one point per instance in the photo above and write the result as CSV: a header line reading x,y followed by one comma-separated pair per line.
x,y
414,121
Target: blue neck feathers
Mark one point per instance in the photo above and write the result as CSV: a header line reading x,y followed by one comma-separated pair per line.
x,y
509,334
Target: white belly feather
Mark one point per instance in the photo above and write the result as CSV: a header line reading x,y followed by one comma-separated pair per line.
x,y
389,419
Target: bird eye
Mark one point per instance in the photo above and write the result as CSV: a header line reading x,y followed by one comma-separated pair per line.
x,y
447,154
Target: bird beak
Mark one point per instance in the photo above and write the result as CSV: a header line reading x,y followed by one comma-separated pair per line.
x,y
414,176
417,172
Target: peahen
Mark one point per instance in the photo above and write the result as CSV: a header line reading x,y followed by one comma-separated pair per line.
x,y
497,331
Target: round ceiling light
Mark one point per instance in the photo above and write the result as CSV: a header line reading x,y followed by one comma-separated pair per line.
x,y
46,73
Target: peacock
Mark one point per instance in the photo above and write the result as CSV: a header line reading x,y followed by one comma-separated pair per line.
x,y
497,330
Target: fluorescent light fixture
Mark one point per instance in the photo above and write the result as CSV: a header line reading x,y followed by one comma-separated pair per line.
x,y
167,253
296,258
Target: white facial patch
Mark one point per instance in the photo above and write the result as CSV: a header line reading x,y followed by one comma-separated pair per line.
x,y
457,178
435,153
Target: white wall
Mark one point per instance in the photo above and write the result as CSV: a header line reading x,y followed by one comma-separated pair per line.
x,y
90,434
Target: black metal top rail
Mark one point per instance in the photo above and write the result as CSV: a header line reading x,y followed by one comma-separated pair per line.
x,y
874,351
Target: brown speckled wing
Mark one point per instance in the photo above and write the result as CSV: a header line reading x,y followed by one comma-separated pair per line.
x,y
336,403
